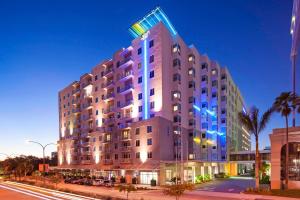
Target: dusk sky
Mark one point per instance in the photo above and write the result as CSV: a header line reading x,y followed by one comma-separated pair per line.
x,y
45,45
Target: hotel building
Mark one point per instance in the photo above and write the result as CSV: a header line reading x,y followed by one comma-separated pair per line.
x,y
154,110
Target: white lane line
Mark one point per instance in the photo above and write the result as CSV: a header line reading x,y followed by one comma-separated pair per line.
x,y
36,193
26,193
52,191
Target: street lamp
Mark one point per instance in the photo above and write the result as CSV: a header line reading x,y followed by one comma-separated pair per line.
x,y
43,147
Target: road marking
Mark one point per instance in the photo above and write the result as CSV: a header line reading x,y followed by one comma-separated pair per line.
x,y
54,192
26,193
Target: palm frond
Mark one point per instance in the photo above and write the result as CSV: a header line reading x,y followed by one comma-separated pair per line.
x,y
265,119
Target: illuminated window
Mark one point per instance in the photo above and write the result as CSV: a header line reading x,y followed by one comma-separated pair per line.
x,y
191,72
214,71
176,95
176,107
108,137
176,48
125,134
191,58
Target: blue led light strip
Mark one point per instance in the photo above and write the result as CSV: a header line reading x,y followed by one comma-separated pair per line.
x,y
145,80
196,108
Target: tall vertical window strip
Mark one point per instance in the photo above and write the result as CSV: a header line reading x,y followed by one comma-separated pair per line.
x,y
145,74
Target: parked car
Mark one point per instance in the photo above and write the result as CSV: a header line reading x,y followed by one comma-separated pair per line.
x,y
98,182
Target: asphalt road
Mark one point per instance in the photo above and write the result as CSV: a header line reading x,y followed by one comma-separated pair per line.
x,y
231,185
6,194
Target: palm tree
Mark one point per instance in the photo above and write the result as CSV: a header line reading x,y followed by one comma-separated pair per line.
x,y
284,104
255,125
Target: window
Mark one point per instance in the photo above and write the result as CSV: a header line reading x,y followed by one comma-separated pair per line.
x,y
152,114
191,84
116,156
191,72
151,59
223,77
176,95
151,43
96,89
139,51
176,62
151,104
203,135
192,99
223,111
204,78
203,90
140,108
151,91
214,72
96,112
137,131
137,155
151,74
140,96
137,143
177,118
139,65
214,95
223,121
223,87
149,155
140,79
96,100
176,77
149,129
203,146
191,58
96,77
176,107
176,48
204,66
214,83
149,141
223,98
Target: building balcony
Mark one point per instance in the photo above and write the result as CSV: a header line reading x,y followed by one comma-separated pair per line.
x,y
87,84
126,160
76,110
126,75
126,88
124,125
75,101
125,62
109,110
109,96
87,105
75,91
109,121
107,84
86,162
126,104
108,71
107,162
126,148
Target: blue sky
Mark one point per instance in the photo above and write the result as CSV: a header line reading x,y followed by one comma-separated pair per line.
x,y
45,45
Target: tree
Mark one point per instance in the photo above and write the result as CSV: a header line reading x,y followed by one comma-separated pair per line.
x,y
255,125
177,189
55,179
284,104
127,189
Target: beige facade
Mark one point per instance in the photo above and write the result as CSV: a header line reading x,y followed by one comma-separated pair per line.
x,y
156,101
278,141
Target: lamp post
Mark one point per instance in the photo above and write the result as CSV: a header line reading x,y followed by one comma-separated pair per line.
x,y
43,147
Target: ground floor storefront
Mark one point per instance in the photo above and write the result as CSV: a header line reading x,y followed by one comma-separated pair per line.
x,y
160,173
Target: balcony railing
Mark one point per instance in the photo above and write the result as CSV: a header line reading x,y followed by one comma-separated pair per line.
x,y
109,110
126,88
124,125
86,105
109,96
76,110
76,90
107,84
109,120
126,104
107,162
125,62
125,75
126,148
126,160
108,71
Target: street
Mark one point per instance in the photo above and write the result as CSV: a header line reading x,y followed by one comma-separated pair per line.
x,y
232,185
